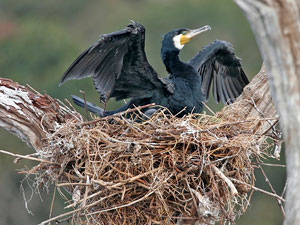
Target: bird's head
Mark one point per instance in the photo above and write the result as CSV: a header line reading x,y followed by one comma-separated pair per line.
x,y
177,38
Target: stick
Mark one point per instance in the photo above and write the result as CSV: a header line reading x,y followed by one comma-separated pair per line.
x,y
85,106
271,187
233,190
122,206
258,189
75,210
52,203
28,157
209,109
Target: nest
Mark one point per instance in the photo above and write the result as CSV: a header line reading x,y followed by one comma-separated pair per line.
x,y
165,170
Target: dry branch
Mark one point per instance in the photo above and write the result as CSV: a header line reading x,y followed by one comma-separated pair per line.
x,y
30,115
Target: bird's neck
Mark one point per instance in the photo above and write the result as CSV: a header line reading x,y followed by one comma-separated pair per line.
x,y
172,61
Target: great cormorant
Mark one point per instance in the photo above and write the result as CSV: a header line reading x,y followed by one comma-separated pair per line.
x,y
120,69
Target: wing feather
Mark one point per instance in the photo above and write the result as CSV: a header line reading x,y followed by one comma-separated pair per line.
x,y
230,90
117,62
216,94
218,62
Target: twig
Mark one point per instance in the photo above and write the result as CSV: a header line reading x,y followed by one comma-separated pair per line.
x,y
272,126
33,90
233,190
274,165
28,158
89,197
129,180
73,184
65,219
192,191
76,210
87,189
209,109
70,105
60,216
258,189
122,206
85,105
271,187
52,203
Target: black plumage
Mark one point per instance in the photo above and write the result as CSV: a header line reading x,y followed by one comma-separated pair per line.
x,y
120,69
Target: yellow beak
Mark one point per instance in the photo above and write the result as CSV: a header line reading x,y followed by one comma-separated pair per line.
x,y
192,33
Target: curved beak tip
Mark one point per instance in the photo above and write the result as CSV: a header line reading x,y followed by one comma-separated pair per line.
x,y
200,30
204,28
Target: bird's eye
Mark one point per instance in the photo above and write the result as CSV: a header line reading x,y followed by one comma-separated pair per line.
x,y
184,32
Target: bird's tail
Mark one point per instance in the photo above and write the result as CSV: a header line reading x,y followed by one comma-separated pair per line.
x,y
89,106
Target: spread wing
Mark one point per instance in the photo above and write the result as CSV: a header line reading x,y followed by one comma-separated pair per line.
x,y
217,64
119,66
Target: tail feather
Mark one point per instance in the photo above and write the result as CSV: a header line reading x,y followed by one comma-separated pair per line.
x,y
90,106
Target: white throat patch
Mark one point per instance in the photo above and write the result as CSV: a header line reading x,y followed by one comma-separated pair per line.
x,y
176,40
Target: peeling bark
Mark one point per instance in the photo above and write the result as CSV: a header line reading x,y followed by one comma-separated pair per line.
x,y
276,25
28,114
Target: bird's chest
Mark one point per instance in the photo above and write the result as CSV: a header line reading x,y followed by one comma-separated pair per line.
x,y
189,87
187,94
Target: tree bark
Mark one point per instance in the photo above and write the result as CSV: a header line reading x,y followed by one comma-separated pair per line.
x,y
30,115
276,25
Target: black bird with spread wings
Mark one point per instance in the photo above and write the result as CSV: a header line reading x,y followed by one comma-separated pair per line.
x,y
120,69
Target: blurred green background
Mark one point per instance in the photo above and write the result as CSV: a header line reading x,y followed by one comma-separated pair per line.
x,y
40,39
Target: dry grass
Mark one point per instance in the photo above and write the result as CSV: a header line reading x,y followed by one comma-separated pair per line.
x,y
165,170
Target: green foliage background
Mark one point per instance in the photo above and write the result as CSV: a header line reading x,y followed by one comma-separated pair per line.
x,y
40,39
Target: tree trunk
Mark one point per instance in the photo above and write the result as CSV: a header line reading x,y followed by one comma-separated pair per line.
x,y
276,25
